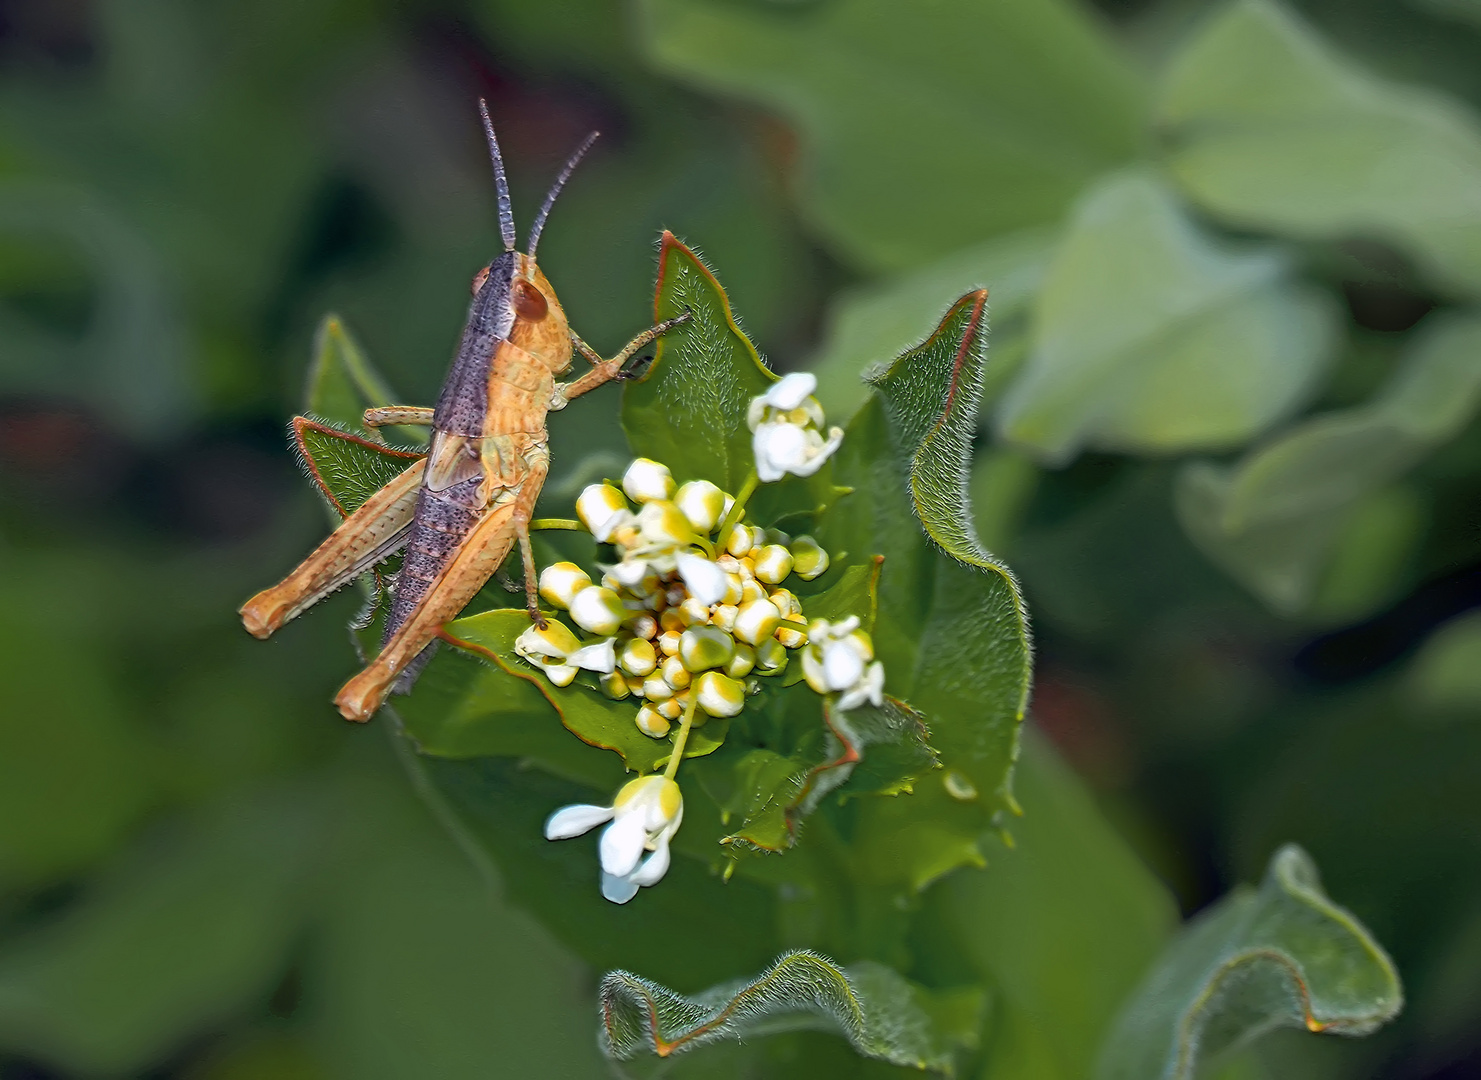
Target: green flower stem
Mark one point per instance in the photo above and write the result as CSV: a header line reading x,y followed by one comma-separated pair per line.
x,y
556,523
738,508
682,737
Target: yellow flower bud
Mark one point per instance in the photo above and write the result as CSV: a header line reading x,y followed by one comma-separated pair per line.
x,y
638,657
752,590
642,625
720,695
651,722
809,560
785,602
734,589
694,613
702,647
757,621
655,689
597,506
661,522
771,657
614,686
598,610
560,582
741,663
647,480
668,642
675,673
773,564
554,640
724,617
738,540
702,503
792,632
670,708
671,619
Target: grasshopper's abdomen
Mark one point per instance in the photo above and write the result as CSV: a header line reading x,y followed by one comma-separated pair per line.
x,y
442,521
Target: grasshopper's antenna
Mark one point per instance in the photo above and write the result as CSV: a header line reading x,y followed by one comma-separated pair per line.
x,y
560,182
501,184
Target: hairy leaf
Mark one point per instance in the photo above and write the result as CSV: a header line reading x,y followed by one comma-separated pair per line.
x,y
1280,956
919,133
1267,127
877,322
1151,337
347,469
691,415
1274,519
972,670
881,1014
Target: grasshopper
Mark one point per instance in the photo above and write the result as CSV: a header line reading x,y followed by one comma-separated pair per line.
x,y
459,512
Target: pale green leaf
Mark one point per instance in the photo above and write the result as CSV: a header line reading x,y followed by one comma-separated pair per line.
x,y
1267,126
1446,675
925,127
1151,337
1280,956
1274,519
881,1014
873,323
347,469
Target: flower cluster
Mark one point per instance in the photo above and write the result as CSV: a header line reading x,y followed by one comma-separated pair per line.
x,y
691,617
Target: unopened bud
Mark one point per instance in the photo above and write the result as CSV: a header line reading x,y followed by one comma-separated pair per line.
x,y
670,708
741,663
647,480
738,540
597,506
598,610
773,564
809,560
675,673
771,657
661,522
638,657
724,617
702,647
720,695
615,686
655,689
668,642
757,621
694,613
792,632
560,582
651,722
702,503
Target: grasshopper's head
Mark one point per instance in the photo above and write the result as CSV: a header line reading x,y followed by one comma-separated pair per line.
x,y
514,280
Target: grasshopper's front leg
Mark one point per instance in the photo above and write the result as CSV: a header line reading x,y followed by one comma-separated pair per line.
x,y
483,552
606,370
366,537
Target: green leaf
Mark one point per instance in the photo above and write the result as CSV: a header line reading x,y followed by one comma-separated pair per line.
x,y
1274,519
587,713
347,469
881,1014
1061,926
872,323
342,383
1446,674
924,128
689,410
1150,337
973,666
176,939
1280,956
1268,127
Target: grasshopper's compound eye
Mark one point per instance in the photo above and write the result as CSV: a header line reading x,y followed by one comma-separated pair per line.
x,y
479,278
529,303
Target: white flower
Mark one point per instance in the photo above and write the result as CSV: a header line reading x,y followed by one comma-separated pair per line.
x,y
837,661
705,581
559,655
787,421
645,815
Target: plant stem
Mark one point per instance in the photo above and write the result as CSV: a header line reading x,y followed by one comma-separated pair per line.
x,y
682,737
738,508
556,523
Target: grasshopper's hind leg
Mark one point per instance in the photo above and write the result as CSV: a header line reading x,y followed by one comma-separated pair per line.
x,y
367,536
478,556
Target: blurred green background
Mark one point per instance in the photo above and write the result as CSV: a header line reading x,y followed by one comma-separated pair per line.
x,y
1229,444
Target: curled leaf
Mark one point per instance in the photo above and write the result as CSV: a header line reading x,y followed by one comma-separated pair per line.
x,y
347,469
343,383
880,1013
1280,956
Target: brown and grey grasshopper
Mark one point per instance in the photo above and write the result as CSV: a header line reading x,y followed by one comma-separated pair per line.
x,y
459,513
